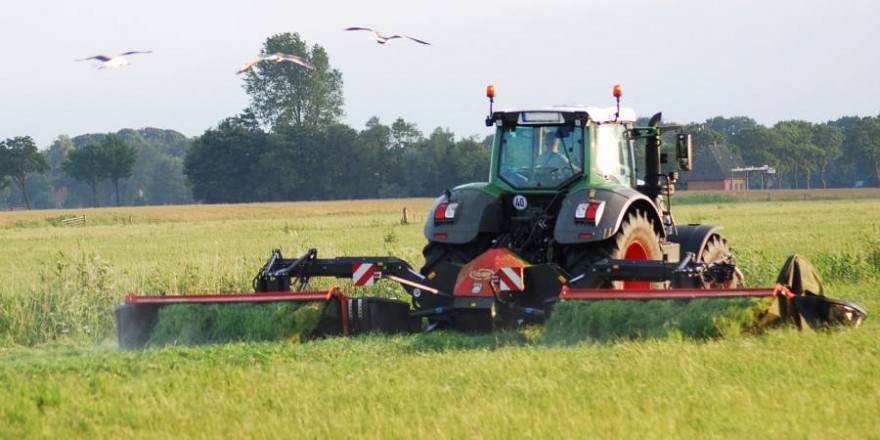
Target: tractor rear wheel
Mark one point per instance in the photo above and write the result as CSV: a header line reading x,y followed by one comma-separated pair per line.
x,y
715,249
636,239
453,253
435,255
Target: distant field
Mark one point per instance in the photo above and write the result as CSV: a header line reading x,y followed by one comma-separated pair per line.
x,y
61,377
691,197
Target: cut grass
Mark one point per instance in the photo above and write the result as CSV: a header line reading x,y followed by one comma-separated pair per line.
x,y
571,322
605,321
193,324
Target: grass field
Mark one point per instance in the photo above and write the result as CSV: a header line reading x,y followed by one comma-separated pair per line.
x,y
61,376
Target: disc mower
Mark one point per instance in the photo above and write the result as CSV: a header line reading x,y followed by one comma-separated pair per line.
x,y
563,217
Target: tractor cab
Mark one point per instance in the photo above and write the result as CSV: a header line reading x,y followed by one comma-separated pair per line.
x,y
554,148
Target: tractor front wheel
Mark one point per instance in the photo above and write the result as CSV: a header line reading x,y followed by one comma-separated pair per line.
x,y
716,249
636,240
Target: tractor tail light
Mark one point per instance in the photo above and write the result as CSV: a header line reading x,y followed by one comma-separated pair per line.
x,y
445,211
590,212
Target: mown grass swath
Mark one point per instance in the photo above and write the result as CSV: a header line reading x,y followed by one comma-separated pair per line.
x,y
190,324
626,320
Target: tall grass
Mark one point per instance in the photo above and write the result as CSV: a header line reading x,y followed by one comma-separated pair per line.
x,y
859,262
73,302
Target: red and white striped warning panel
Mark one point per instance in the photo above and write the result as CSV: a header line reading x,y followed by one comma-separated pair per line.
x,y
363,274
511,279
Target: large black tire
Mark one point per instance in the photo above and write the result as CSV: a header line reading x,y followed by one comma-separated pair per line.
x,y
636,239
453,253
438,253
715,249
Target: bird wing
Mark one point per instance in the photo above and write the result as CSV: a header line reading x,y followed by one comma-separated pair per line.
x,y
132,52
375,32
415,39
297,60
103,58
247,66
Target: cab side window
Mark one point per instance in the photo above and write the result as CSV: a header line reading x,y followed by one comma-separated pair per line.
x,y
611,152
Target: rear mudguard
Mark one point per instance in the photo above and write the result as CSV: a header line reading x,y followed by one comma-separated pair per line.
x,y
693,238
617,203
477,212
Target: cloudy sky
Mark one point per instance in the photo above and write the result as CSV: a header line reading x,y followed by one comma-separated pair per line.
x,y
693,59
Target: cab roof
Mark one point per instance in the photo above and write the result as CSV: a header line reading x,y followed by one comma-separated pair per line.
x,y
596,114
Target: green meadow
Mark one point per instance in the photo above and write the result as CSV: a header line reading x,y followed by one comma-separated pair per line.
x,y
61,375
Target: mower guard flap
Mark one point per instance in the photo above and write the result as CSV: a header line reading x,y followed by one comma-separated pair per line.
x,y
805,304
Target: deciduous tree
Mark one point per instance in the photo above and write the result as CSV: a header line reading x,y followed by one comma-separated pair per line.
x,y
19,158
798,152
404,134
286,94
119,159
86,164
828,140
864,145
732,125
760,146
223,164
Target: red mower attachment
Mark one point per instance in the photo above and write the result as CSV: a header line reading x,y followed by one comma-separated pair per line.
x,y
495,289
798,298
341,315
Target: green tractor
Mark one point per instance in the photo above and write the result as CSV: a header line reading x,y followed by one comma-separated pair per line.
x,y
564,188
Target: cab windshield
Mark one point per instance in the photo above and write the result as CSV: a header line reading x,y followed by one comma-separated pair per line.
x,y
541,156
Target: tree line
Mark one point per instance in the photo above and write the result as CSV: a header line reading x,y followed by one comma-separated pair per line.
x,y
240,162
843,153
109,160
289,144
129,167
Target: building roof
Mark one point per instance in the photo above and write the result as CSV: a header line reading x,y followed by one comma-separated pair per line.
x,y
712,162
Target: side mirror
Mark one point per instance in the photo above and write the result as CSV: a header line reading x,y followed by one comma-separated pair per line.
x,y
683,151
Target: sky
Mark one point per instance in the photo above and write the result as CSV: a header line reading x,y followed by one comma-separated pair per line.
x,y
770,60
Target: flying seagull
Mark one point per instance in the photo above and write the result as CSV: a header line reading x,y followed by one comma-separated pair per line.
x,y
277,58
114,61
383,39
